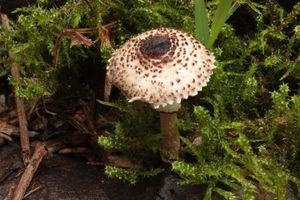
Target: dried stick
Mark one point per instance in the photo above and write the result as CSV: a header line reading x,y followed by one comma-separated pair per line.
x,y
79,39
121,162
19,104
77,35
39,152
34,190
73,150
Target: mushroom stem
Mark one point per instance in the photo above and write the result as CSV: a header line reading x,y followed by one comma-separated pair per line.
x,y
171,140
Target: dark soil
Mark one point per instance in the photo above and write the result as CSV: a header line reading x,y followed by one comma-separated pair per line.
x,y
64,177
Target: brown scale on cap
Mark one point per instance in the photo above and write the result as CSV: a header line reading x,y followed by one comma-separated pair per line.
x,y
161,67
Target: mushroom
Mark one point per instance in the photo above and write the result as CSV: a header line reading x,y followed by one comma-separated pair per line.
x,y
161,67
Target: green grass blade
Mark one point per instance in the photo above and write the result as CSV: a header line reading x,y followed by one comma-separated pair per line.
x,y
202,32
233,8
113,105
221,15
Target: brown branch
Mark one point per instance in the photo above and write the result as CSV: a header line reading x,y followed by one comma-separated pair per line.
x,y
96,163
19,103
121,162
103,31
105,34
75,33
79,38
33,191
39,152
74,150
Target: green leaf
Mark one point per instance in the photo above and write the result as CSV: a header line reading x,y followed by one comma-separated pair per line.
x,y
222,13
201,22
113,105
233,8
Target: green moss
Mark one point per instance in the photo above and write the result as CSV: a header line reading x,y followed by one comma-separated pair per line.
x,y
247,118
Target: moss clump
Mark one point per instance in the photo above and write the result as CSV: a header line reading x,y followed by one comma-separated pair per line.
x,y
243,136
247,118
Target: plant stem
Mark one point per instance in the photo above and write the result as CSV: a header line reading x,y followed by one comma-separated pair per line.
x,y
24,138
39,153
171,140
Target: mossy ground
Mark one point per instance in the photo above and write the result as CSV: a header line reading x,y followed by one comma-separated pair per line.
x,y
247,117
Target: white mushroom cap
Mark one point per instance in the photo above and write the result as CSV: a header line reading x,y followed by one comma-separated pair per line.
x,y
161,67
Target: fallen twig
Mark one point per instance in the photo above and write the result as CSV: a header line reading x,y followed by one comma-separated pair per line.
x,y
121,162
2,135
33,191
39,152
14,131
74,150
19,103
96,163
105,34
77,38
54,146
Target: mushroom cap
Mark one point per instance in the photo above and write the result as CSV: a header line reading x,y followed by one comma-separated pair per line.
x,y
161,66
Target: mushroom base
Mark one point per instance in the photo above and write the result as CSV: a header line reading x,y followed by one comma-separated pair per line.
x,y
171,140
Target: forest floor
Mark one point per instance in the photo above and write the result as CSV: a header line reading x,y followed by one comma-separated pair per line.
x,y
70,177
73,168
